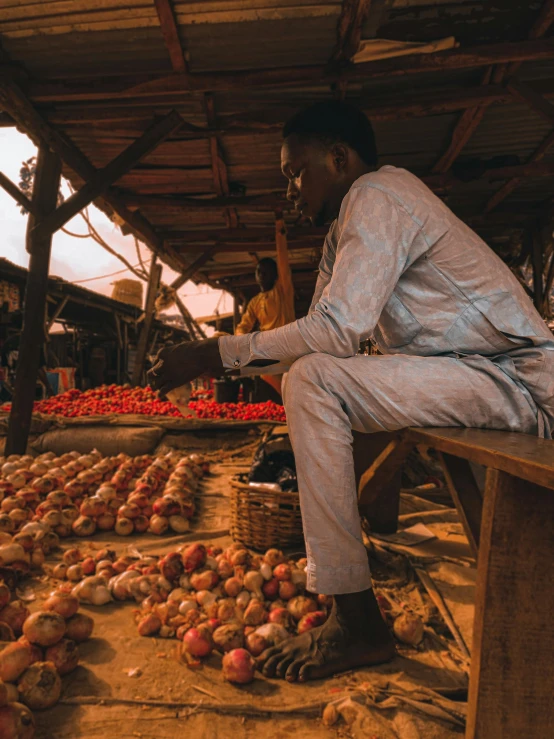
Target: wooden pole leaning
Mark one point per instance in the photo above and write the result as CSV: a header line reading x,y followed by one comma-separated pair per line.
x,y
153,284
45,195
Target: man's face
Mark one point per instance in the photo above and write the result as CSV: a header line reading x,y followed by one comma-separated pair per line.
x,y
315,177
265,277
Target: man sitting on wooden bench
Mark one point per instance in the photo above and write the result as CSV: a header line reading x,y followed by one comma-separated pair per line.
x,y
462,346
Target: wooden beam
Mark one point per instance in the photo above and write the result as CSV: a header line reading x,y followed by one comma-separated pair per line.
x,y
248,269
132,86
251,202
153,284
244,235
465,494
382,471
377,108
523,92
219,166
192,269
45,194
14,101
463,130
540,152
170,33
57,312
109,174
349,29
538,30
512,671
17,194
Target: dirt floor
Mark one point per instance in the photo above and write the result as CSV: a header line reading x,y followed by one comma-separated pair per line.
x,y
128,686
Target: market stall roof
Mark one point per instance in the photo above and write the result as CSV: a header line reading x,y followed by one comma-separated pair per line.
x,y
475,119
78,306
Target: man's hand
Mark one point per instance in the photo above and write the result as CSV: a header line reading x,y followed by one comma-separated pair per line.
x,y
179,364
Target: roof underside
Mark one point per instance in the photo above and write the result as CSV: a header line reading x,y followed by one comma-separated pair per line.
x,y
100,72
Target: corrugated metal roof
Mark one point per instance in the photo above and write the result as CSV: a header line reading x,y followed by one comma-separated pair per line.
x,y
89,44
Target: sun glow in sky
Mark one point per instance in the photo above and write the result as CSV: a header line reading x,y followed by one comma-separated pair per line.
x,y
75,259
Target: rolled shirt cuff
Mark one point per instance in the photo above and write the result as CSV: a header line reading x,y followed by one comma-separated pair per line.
x,y
236,353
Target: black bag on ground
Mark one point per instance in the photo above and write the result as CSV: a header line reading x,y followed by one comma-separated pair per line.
x,y
274,462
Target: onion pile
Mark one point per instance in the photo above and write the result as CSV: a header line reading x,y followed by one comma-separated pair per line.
x,y
211,599
79,494
43,646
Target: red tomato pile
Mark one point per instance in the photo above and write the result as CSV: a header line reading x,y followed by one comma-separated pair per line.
x,y
268,411
123,399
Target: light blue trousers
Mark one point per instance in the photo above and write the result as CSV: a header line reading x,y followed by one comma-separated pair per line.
x,y
327,397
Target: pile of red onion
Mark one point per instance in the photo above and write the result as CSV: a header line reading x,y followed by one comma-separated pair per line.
x,y
42,647
79,494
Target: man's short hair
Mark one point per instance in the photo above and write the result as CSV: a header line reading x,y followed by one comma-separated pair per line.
x,y
268,262
332,122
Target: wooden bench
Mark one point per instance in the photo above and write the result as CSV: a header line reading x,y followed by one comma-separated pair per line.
x,y
511,530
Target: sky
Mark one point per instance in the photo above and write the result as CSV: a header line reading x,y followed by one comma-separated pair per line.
x,y
80,260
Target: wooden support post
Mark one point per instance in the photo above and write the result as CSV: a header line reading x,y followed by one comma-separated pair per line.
x,y
153,284
15,192
512,671
45,194
377,467
109,174
465,494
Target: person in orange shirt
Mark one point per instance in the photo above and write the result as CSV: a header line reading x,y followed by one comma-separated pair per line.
x,y
273,307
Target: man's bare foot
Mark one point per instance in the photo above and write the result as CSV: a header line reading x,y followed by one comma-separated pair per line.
x,y
354,635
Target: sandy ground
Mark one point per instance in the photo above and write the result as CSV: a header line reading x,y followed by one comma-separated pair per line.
x,y
124,675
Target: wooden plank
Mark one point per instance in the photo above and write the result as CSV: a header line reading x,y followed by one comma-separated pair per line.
x,y
512,671
229,235
382,470
17,194
153,284
192,269
349,29
464,129
45,194
459,58
465,494
170,33
381,511
521,455
540,152
57,312
249,202
114,108
109,174
523,92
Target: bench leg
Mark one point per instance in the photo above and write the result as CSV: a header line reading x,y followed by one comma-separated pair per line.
x,y
381,510
512,670
466,495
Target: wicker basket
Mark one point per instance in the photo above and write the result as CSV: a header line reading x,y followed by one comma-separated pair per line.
x,y
262,518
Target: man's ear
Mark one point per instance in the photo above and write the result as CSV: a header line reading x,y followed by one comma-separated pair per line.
x,y
339,153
